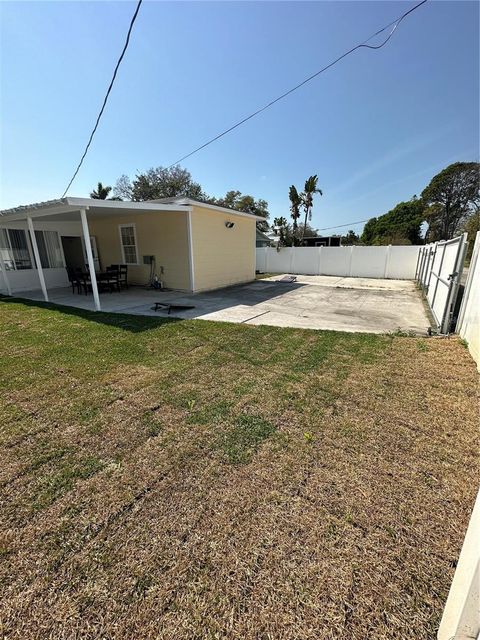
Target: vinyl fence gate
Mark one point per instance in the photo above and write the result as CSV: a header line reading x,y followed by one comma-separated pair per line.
x,y
438,272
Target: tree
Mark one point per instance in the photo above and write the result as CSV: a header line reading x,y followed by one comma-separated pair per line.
x,y
400,225
240,202
350,238
101,192
309,191
471,226
159,182
281,228
451,196
295,203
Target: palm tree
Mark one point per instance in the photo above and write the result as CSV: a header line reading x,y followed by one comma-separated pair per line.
x,y
307,199
296,201
101,192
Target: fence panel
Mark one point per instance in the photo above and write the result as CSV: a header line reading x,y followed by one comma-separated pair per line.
x,y
402,262
397,262
369,262
468,325
335,261
305,260
438,272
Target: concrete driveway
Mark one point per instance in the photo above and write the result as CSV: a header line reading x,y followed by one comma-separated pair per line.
x,y
313,302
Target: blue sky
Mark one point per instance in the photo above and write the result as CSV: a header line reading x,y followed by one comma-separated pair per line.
x,y
375,128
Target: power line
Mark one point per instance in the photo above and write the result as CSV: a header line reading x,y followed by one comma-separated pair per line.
x,y
339,226
284,95
125,46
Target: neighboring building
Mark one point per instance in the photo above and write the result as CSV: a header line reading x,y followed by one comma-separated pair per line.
x,y
262,240
322,241
193,246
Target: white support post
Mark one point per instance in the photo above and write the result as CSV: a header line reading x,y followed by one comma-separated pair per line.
x,y
319,264
387,261
36,253
292,260
91,264
4,273
350,263
190,251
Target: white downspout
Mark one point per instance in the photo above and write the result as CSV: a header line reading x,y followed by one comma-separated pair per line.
x,y
190,249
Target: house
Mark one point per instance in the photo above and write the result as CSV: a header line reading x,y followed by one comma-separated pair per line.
x,y
322,241
262,240
190,245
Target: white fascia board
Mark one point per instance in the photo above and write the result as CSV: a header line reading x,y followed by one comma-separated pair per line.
x,y
214,207
72,205
119,204
35,212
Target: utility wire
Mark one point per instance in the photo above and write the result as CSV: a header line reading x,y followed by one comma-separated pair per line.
x,y
339,226
125,46
364,44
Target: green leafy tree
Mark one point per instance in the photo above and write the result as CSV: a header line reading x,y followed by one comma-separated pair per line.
x,y
246,203
451,197
295,204
471,227
351,238
310,189
159,182
280,228
401,225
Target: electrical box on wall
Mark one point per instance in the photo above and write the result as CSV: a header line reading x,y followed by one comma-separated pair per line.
x,y
148,259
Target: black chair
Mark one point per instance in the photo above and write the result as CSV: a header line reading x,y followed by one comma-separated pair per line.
x,y
109,280
75,278
122,270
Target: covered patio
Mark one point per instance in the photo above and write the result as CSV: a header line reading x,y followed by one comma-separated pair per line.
x,y
136,300
33,247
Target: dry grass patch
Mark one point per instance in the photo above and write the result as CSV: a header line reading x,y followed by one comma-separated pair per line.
x,y
168,480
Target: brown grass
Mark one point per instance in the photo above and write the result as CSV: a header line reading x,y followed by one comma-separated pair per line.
x,y
200,480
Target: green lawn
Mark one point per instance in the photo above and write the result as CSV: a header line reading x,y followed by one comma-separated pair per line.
x,y
187,479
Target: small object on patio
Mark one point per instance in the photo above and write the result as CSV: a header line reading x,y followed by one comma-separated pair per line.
x,y
288,279
162,306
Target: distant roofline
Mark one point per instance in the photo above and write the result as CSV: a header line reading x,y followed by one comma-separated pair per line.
x,y
200,203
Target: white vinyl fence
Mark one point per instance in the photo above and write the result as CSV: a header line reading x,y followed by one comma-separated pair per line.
x,y
468,323
439,269
395,262
461,616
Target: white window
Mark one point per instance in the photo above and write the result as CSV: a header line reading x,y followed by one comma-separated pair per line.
x,y
14,249
48,244
128,241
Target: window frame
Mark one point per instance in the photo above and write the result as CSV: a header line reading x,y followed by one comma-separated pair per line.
x,y
122,247
13,260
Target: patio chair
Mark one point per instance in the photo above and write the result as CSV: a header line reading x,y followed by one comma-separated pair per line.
x,y
85,282
109,280
74,279
122,270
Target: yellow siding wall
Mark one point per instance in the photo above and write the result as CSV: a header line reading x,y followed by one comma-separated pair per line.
x,y
163,234
222,256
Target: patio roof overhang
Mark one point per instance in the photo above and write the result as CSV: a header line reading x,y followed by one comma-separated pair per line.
x,y
70,205
64,206
71,208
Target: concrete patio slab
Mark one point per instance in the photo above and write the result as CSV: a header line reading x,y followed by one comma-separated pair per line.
x,y
313,302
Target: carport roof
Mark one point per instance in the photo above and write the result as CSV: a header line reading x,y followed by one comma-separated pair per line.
x,y
70,205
